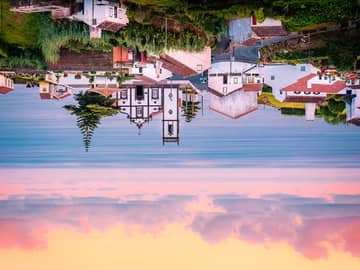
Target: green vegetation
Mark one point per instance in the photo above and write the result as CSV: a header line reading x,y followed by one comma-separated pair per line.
x,y
333,110
269,99
152,39
299,14
190,109
292,111
55,35
91,108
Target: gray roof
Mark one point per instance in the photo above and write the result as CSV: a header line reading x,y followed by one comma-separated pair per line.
x,y
240,54
240,29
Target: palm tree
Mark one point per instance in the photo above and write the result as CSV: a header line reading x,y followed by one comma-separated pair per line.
x,y
91,108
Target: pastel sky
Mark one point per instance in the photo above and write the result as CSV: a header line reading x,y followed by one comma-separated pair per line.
x,y
263,190
137,224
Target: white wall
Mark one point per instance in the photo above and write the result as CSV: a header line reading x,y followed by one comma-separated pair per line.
x,y
284,75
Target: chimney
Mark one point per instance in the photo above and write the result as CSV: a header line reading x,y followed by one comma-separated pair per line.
x,y
308,84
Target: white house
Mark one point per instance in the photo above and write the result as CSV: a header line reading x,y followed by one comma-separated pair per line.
x,y
227,76
6,84
279,76
154,71
102,15
51,89
312,90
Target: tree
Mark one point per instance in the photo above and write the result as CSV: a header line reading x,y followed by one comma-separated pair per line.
x,y
91,108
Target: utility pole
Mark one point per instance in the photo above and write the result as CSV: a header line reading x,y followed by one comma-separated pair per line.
x,y
166,33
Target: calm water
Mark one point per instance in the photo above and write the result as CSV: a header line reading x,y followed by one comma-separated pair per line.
x,y
260,190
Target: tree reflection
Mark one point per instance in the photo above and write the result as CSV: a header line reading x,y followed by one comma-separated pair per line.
x,y
89,111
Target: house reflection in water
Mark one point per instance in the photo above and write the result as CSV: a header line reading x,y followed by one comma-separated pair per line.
x,y
235,86
51,89
141,99
6,84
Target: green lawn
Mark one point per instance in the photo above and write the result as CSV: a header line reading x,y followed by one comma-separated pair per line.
x,y
18,28
269,99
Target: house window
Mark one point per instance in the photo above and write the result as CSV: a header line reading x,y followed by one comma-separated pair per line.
x,y
199,67
124,94
140,70
224,90
297,92
302,68
272,77
139,92
139,112
111,12
225,81
115,12
235,80
155,93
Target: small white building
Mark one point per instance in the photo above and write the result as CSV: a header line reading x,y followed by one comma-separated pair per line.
x,y
51,89
6,84
102,15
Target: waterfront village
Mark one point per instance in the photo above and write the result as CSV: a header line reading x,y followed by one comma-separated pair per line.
x,y
143,85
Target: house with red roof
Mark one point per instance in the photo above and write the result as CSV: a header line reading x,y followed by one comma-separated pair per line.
x,y
102,15
312,90
51,89
6,84
186,64
267,29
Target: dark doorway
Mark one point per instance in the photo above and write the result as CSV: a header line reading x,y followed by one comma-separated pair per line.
x,y
139,93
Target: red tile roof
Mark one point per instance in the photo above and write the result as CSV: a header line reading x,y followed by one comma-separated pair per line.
x,y
233,116
249,42
5,90
45,96
301,85
252,87
110,26
61,96
104,91
269,31
176,67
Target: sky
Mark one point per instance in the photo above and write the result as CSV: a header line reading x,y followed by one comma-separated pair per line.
x,y
248,193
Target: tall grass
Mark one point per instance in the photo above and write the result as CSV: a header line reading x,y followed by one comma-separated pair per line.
x,y
54,35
